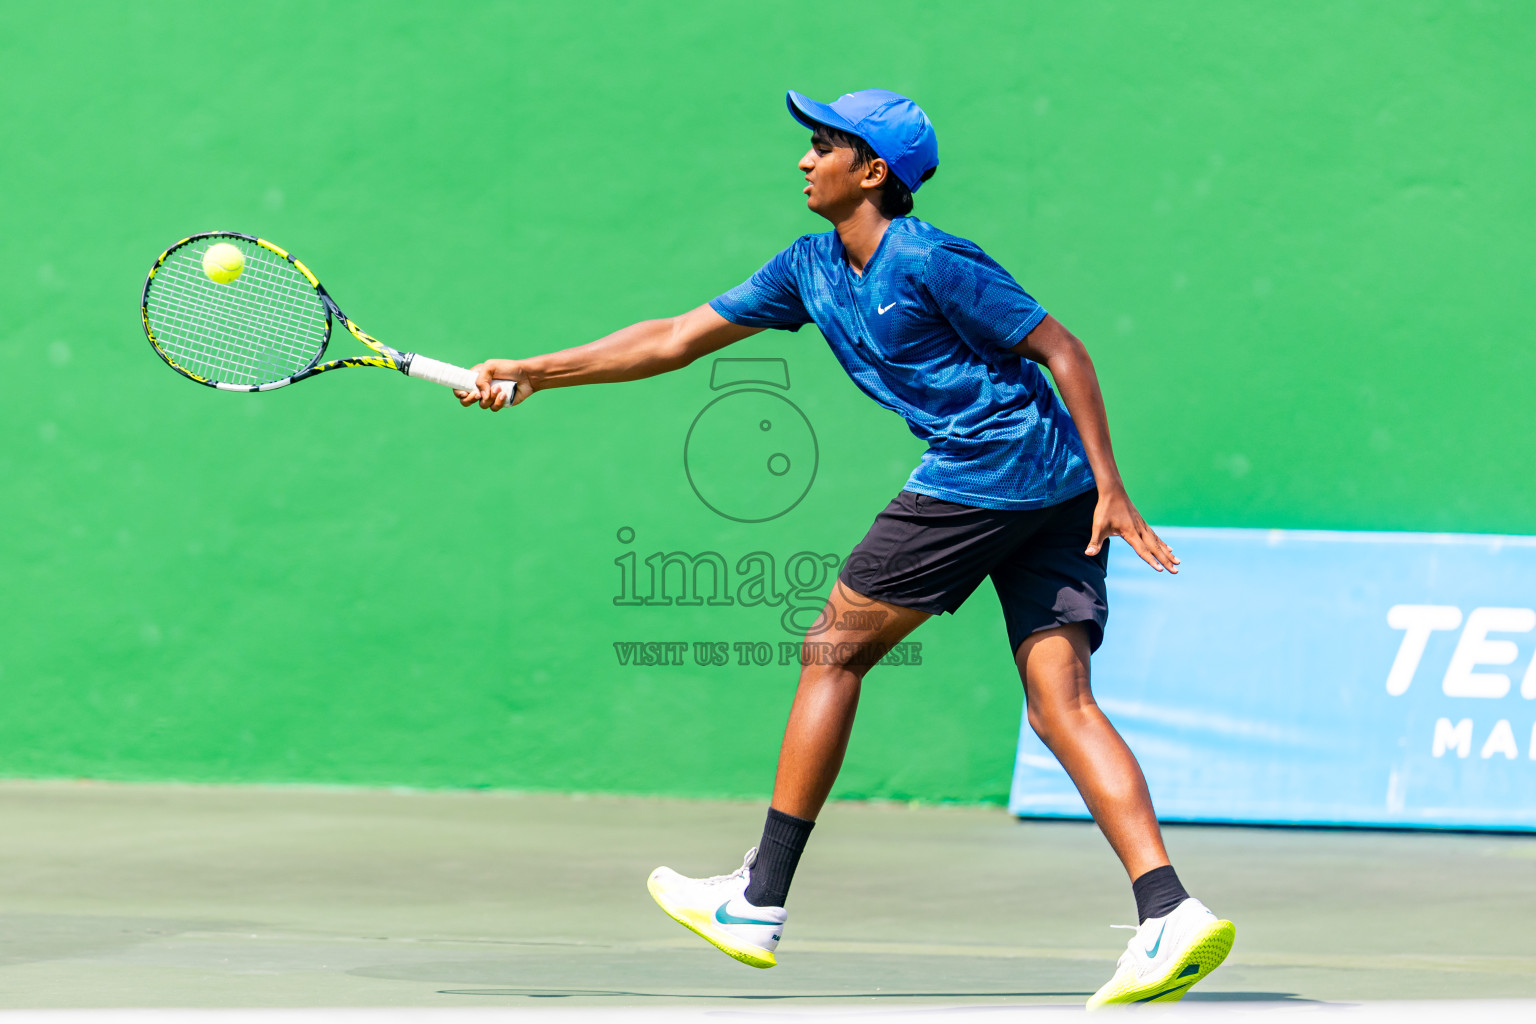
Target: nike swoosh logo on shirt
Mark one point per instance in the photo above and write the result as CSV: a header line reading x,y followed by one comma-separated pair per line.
x,y
1153,951
726,917
881,309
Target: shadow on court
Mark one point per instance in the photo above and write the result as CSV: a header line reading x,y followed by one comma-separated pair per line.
x,y
1246,997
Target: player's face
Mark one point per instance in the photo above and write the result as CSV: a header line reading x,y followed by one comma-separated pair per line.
x,y
832,186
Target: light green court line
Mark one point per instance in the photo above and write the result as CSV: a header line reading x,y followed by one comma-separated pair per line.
x,y
1403,961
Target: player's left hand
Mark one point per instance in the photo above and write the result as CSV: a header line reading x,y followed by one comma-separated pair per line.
x,y
1115,516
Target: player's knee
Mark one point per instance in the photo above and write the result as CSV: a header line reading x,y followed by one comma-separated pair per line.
x,y
855,656
829,683
1040,721
1059,717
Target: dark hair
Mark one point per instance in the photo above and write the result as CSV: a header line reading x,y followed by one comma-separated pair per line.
x,y
895,197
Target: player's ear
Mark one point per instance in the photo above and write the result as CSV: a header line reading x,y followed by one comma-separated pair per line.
x,y
875,173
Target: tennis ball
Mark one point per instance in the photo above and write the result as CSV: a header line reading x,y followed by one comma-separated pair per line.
x,y
223,263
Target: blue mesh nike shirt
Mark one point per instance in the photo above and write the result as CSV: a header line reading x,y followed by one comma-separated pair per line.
x,y
926,332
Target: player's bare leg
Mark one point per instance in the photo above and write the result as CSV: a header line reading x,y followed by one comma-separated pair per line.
x,y
1053,664
1182,941
853,633
743,913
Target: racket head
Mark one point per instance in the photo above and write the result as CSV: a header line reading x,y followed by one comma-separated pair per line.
x,y
260,331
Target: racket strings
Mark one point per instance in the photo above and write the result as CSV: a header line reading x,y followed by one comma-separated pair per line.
x,y
255,340
199,323
265,326
251,342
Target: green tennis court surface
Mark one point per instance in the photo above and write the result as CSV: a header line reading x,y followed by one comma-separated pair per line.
x,y
170,896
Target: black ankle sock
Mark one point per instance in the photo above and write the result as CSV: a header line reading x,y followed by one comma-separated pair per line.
x,y
784,837
1158,892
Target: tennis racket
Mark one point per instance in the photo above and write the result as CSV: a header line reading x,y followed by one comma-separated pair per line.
x,y
264,329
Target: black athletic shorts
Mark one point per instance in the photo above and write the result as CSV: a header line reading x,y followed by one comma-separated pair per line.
x,y
929,554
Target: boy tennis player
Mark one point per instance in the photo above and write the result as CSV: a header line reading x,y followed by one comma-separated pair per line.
x,y
1016,485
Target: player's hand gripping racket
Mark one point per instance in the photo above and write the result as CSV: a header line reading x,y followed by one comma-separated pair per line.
x,y
239,314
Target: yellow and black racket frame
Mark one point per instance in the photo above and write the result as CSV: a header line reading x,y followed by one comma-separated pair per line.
x,y
387,358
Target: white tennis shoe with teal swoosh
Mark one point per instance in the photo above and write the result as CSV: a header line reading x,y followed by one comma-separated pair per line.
x,y
1167,955
715,910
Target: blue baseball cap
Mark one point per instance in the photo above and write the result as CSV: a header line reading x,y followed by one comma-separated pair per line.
x,y
895,128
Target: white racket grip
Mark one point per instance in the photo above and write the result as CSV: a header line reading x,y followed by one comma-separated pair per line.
x,y
450,376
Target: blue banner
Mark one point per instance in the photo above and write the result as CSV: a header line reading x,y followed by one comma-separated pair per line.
x,y
1319,678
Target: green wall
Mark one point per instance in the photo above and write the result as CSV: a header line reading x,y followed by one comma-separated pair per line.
x,y
1297,239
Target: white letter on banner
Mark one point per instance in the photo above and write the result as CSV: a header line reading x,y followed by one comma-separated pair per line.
x,y
1419,620
1474,648
1456,737
1501,741
1528,684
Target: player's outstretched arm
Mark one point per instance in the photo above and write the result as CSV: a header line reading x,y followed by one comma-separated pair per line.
x,y
1058,350
640,350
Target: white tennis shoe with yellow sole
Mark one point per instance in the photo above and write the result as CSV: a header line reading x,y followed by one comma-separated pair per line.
x,y
1167,955
715,910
